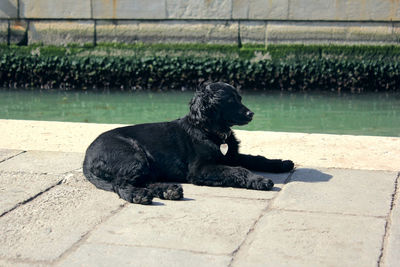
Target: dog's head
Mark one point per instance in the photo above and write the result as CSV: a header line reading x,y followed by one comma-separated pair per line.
x,y
218,104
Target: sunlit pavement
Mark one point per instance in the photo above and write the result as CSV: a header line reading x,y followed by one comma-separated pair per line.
x,y
340,206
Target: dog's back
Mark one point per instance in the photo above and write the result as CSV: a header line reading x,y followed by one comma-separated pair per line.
x,y
159,150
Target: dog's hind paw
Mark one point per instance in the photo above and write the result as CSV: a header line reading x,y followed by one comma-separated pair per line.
x,y
173,192
145,198
135,195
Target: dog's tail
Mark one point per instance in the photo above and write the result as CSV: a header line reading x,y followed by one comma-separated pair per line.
x,y
100,183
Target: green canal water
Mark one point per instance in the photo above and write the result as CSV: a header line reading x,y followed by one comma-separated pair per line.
x,y
365,114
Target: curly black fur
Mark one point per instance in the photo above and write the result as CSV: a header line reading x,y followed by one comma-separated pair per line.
x,y
136,162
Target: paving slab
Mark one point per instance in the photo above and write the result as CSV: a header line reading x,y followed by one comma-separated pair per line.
x,y
338,191
44,228
283,238
17,187
114,255
202,224
391,257
8,153
43,162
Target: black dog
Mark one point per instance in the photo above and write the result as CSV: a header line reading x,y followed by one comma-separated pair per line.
x,y
136,161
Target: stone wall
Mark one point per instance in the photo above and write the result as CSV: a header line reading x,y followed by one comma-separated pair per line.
x,y
204,21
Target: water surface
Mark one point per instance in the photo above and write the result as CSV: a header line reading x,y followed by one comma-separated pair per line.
x,y
365,114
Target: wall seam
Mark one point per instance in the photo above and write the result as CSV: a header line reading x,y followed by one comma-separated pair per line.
x,y
288,10
18,9
8,32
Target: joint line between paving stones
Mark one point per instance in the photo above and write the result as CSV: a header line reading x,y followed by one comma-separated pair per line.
x,y
388,224
26,261
332,213
13,156
85,236
233,197
31,198
158,247
263,212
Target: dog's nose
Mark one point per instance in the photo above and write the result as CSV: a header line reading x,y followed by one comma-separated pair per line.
x,y
249,114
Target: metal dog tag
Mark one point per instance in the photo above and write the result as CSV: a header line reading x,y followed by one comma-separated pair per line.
x,y
224,149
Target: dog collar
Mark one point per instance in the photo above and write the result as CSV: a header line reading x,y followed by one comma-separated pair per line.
x,y
224,146
221,136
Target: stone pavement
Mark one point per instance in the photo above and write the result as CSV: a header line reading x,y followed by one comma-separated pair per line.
x,y
340,207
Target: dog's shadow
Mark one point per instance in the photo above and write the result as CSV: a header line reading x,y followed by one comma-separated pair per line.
x,y
157,203
308,175
305,175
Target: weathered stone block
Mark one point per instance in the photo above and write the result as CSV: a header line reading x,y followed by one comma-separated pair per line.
x,y
312,10
117,31
329,32
371,33
260,9
61,32
8,9
253,32
304,32
344,10
129,9
240,9
66,9
381,10
199,9
167,31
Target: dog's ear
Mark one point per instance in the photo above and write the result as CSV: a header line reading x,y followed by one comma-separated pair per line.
x,y
201,104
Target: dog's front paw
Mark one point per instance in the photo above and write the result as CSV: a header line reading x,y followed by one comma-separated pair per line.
x,y
287,165
173,192
260,183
